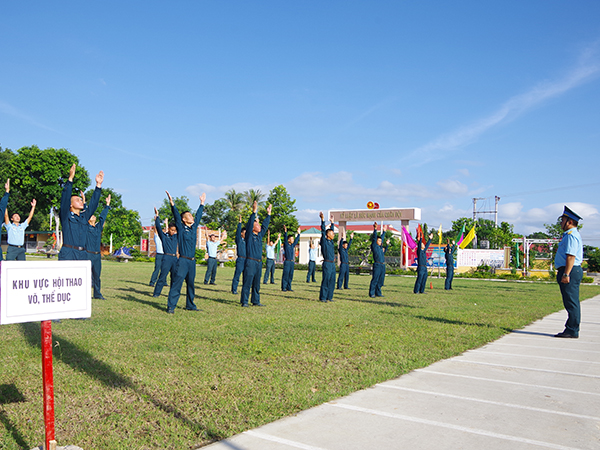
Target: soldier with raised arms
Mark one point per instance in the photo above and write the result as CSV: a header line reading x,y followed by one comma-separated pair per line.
x,y
252,271
74,218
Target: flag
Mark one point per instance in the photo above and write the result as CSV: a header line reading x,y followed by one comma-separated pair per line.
x,y
408,238
420,234
440,234
468,238
461,235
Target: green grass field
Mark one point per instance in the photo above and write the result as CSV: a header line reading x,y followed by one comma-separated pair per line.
x,y
134,377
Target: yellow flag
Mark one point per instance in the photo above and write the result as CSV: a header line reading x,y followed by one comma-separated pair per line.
x,y
468,238
440,234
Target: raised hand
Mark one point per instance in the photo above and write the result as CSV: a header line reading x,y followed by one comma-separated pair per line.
x,y
108,200
269,208
170,199
7,185
203,198
72,172
99,179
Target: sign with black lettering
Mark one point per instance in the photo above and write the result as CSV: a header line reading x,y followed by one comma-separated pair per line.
x,y
32,291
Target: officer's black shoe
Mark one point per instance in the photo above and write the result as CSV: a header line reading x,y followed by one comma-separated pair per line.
x,y
564,334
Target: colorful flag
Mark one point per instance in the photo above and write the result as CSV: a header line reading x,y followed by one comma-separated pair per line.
x,y
461,235
440,234
408,238
468,238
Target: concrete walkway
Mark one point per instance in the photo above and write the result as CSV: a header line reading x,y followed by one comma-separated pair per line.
x,y
526,390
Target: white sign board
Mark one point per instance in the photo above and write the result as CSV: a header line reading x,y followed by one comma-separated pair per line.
x,y
475,257
32,291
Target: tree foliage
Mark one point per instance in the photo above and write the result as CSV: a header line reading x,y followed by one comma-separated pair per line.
x,y
282,212
182,204
498,236
40,174
125,226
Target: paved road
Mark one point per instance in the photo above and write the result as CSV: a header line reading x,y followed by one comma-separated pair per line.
x,y
524,391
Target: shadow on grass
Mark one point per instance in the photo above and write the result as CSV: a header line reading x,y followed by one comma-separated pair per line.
x,y
161,306
82,361
380,302
535,333
460,322
12,429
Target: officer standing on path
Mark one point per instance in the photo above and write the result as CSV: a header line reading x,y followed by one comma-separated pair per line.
x,y
289,253
240,262
92,247
569,257
328,280
344,274
253,268
449,254
187,227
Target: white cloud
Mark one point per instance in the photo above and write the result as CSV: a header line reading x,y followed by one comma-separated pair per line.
x,y
215,192
453,187
587,68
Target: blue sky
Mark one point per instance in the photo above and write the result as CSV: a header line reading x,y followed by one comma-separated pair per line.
x,y
409,104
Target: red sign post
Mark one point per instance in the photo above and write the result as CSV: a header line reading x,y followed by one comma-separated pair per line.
x,y
48,380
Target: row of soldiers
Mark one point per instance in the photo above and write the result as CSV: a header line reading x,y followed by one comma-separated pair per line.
x,y
180,237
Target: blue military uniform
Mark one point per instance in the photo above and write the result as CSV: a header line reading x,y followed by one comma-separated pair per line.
x,y
421,268
328,280
75,226
570,245
211,266
312,265
3,204
240,262
289,262
186,267
449,254
92,247
344,274
378,265
169,260
270,267
253,268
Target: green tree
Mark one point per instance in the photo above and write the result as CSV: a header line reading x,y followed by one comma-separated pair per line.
x,y
235,200
253,195
41,174
124,225
219,215
282,212
182,204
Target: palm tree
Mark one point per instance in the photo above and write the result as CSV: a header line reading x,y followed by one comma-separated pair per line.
x,y
235,200
254,195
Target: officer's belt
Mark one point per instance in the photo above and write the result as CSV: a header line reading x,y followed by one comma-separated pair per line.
x,y
73,247
186,257
254,259
171,254
326,260
13,245
344,263
212,257
93,253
